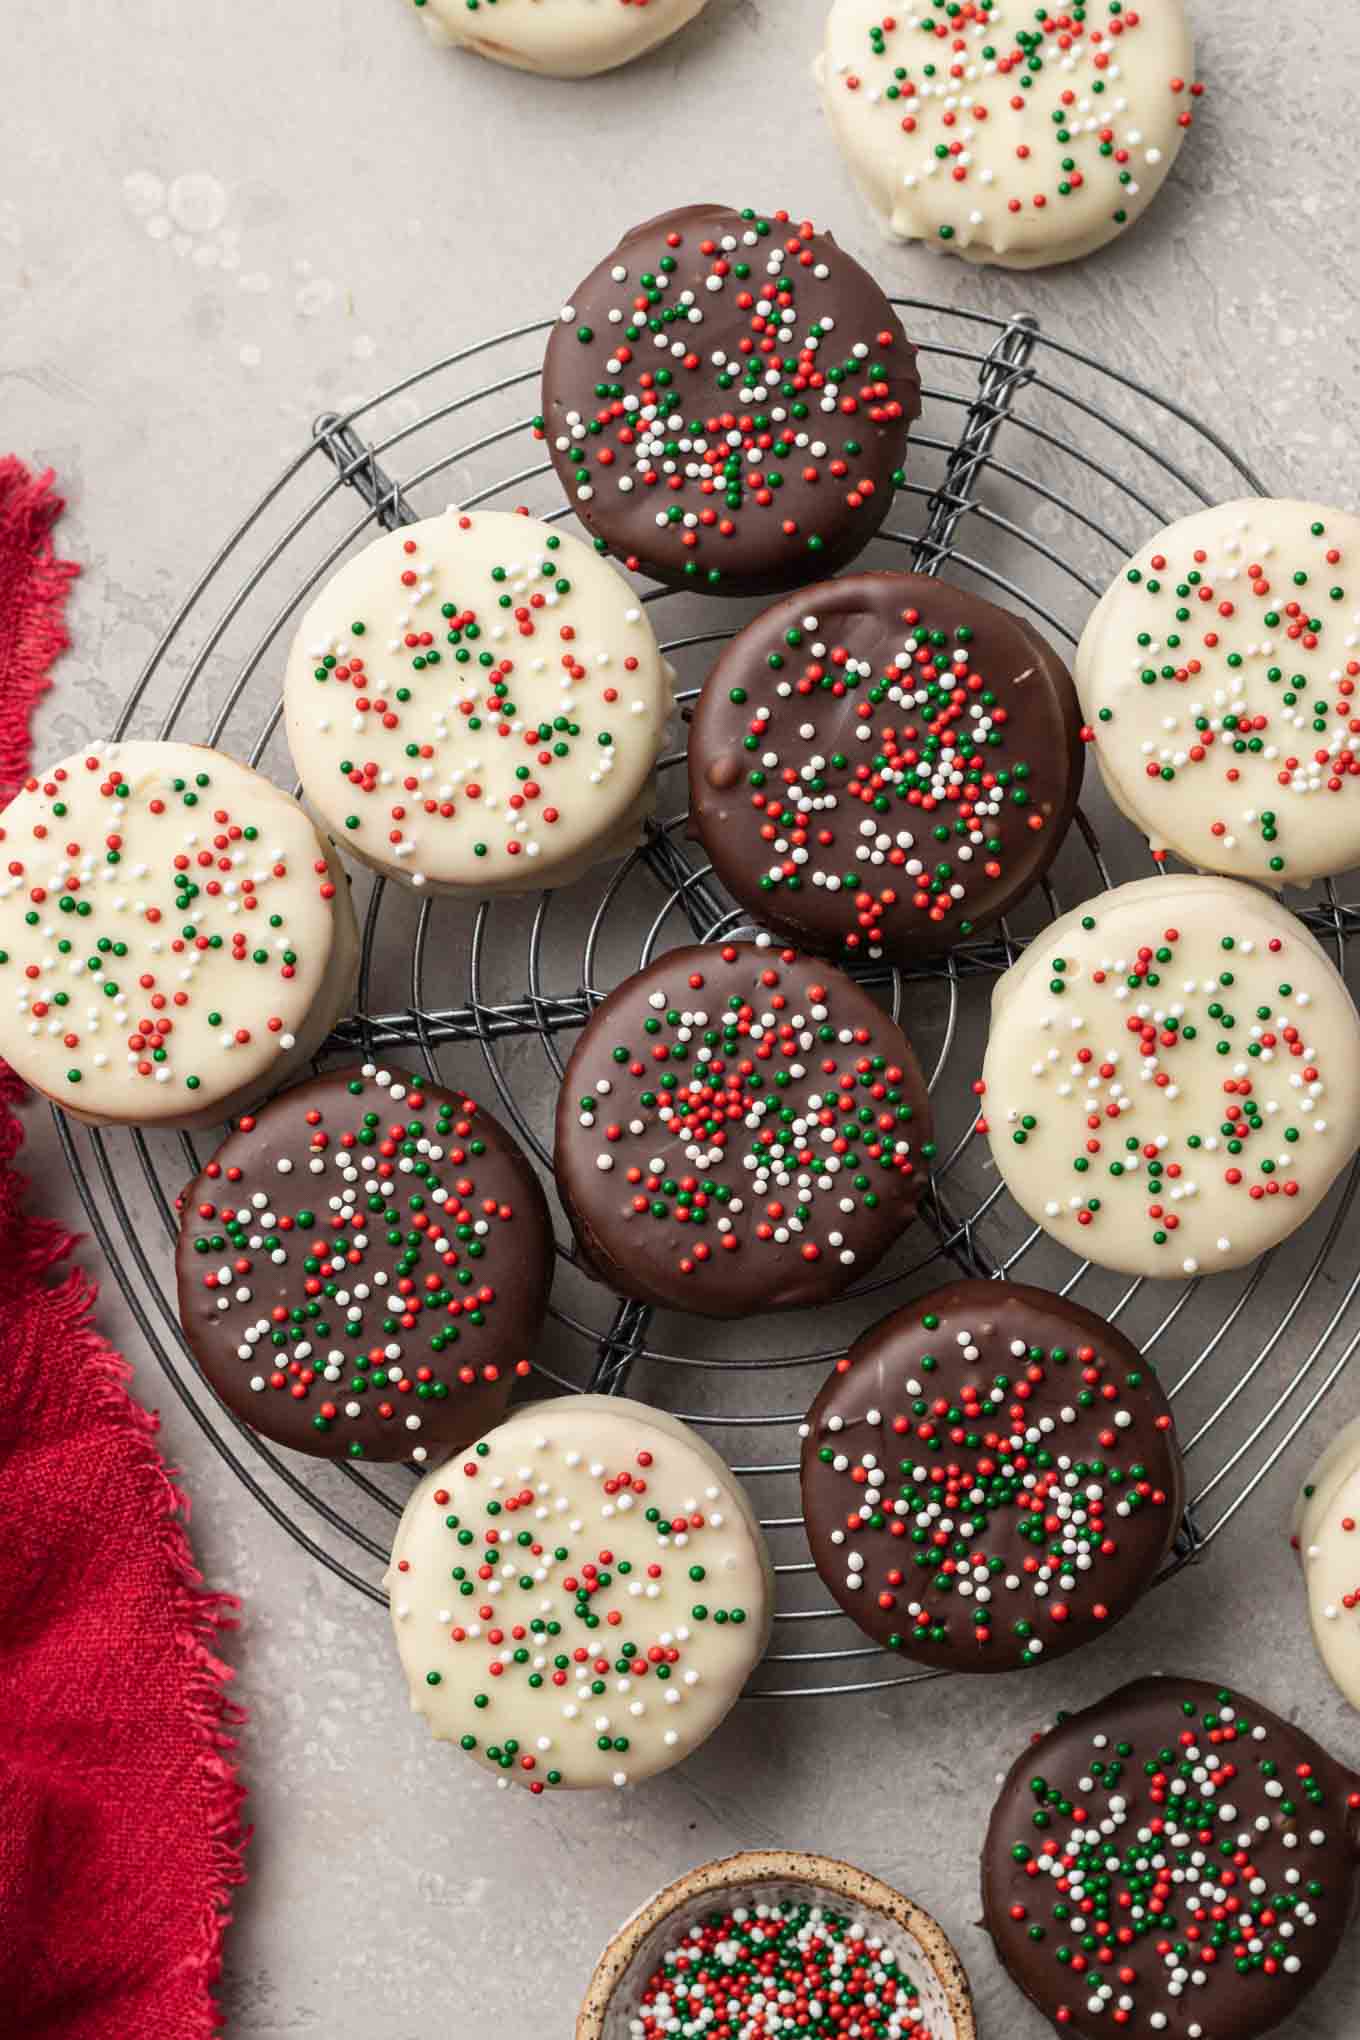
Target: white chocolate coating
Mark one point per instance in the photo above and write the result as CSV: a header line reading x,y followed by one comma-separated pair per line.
x,y
1326,1531
192,941
1219,674
576,1478
411,756
560,38
1182,1126
948,125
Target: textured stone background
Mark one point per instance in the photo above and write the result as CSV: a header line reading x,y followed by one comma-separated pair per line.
x,y
213,223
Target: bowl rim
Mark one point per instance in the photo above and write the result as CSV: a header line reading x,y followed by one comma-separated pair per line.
x,y
753,1867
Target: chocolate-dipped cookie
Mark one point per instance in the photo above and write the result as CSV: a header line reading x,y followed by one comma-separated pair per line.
x,y
726,400
176,940
1005,132
1175,1861
1172,1076
363,1267
557,38
879,766
1218,674
1326,1536
990,1476
740,1128
579,1601
475,704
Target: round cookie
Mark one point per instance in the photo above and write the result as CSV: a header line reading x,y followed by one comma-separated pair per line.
x,y
363,1267
726,400
1171,1077
1006,135
881,765
175,937
1174,1861
990,1476
1218,675
582,1599
698,1180
557,38
1326,1535
475,704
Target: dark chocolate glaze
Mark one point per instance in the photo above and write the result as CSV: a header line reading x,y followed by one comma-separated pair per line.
x,y
1012,1523
932,823
456,1366
626,1214
1267,1893
821,479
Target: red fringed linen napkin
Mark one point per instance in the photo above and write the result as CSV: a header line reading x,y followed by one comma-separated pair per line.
x,y
120,1834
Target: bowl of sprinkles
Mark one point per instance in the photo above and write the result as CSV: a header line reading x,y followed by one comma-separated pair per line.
x,y
775,1942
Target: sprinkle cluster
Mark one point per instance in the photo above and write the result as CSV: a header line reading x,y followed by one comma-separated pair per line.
x,y
1177,1869
152,925
761,1121
483,694
937,69
1244,669
924,732
757,1972
378,1226
723,399
949,1486
548,1617
1234,1044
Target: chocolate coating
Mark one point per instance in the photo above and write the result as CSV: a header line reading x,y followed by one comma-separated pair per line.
x,y
743,482
1030,1445
740,1129
331,1288
866,813
1202,1913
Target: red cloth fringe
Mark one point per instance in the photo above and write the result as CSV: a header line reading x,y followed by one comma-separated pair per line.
x,y
33,589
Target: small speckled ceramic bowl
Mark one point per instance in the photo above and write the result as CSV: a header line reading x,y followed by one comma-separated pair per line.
x,y
760,1877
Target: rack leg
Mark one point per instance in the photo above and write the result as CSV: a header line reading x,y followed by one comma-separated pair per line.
x,y
619,1348
359,468
698,900
1002,376
1190,1542
964,1248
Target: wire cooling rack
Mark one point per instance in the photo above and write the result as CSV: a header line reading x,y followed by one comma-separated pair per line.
x,y
1035,471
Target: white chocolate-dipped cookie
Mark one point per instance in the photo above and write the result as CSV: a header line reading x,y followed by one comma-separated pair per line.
x,y
986,130
1218,676
1326,1535
559,38
476,703
176,939
1172,1077
579,1599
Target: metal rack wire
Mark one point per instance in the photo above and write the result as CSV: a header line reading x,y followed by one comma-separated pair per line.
x,y
1035,470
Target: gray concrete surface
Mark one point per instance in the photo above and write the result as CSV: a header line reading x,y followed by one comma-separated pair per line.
x,y
214,222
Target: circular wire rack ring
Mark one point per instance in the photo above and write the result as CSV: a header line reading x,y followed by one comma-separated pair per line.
x,y
1034,472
